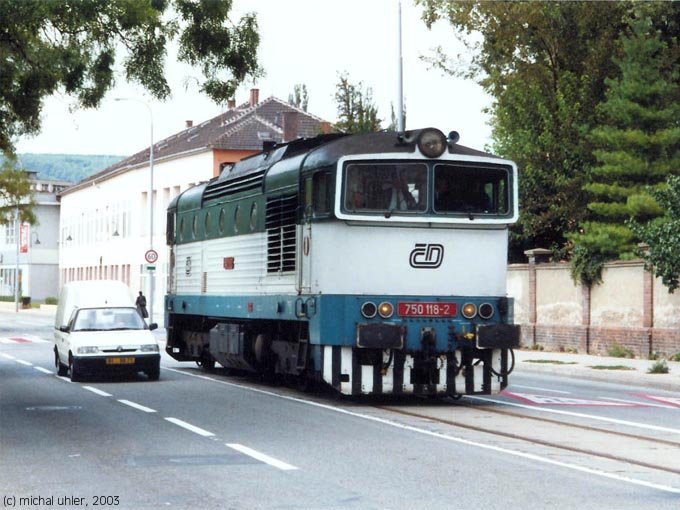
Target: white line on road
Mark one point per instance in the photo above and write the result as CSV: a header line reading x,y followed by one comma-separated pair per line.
x,y
44,370
7,356
515,453
541,389
261,457
579,415
64,378
28,364
139,407
645,404
97,391
189,426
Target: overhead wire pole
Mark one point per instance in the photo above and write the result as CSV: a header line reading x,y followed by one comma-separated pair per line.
x,y
400,78
17,233
151,202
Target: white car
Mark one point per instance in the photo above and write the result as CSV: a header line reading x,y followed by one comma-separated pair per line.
x,y
103,332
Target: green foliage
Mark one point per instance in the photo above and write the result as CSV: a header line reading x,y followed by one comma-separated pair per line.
x,y
662,235
675,357
66,167
72,47
299,98
637,146
51,301
618,351
544,63
356,111
15,194
659,367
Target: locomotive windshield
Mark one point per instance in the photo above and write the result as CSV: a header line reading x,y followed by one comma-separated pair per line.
x,y
386,187
426,189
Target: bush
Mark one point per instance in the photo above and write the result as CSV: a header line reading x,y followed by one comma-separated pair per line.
x,y
618,351
675,357
660,367
51,301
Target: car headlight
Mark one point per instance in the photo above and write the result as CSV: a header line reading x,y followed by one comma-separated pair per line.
x,y
149,348
88,349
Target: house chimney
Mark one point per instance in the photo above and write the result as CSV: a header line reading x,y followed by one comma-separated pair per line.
x,y
254,96
189,123
231,103
290,125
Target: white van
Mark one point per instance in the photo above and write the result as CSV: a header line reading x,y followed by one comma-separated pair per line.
x,y
98,328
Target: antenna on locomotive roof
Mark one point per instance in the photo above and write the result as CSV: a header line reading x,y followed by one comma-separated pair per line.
x,y
400,77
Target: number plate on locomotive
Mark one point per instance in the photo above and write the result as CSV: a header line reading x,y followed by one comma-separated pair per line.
x,y
425,309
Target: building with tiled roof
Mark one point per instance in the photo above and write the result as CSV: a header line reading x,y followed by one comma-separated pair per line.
x,y
106,218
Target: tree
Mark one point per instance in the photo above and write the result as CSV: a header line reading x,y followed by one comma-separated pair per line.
x,y
662,235
637,145
544,63
72,46
356,111
299,97
15,193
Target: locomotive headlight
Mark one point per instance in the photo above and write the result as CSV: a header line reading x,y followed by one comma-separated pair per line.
x,y
432,143
485,311
369,310
469,310
385,310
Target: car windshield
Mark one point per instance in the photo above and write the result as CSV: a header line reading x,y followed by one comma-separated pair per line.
x,y
107,319
381,187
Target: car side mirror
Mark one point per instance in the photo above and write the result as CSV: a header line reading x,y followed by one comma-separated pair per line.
x,y
64,329
153,326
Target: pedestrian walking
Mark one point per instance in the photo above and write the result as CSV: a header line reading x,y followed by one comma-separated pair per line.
x,y
141,305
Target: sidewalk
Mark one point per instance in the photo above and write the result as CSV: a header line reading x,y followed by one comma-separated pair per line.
x,y
580,366
44,310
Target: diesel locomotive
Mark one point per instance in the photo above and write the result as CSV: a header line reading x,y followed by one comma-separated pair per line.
x,y
374,263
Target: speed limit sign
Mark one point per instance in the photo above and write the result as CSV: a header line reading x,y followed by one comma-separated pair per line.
x,y
151,256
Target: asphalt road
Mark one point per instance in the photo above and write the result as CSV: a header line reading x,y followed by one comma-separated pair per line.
x,y
197,440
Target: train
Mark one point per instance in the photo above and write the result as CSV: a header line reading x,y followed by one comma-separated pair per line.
x,y
373,264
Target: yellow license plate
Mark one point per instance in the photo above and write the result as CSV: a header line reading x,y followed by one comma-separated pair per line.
x,y
120,361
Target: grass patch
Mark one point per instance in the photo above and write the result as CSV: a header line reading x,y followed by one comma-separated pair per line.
x,y
618,351
552,361
660,367
611,367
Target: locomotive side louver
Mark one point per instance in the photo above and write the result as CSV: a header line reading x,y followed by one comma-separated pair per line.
x,y
281,233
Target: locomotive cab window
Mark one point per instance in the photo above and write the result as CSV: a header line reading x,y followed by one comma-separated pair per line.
x,y
379,187
461,189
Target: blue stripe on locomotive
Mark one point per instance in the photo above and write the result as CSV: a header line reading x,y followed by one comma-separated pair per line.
x,y
333,318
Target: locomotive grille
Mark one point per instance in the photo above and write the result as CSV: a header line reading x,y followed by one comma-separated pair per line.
x,y
281,233
241,183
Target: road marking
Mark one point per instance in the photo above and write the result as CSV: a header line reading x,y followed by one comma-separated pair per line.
x,y
562,401
189,426
578,415
28,364
23,340
545,460
44,370
673,401
541,389
97,391
261,457
64,378
139,407
8,356
637,403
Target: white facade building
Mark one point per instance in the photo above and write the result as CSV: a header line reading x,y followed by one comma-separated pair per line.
x,y
104,227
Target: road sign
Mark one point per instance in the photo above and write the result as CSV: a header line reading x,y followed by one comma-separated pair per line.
x,y
151,256
150,267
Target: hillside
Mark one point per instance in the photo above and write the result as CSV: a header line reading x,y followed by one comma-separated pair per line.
x,y
66,167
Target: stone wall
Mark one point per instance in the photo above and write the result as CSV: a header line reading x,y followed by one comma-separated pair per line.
x,y
630,308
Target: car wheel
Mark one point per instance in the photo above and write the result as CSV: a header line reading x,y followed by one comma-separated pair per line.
x,y
75,370
62,369
154,373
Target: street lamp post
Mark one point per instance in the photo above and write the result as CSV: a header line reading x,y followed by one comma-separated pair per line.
x,y
151,204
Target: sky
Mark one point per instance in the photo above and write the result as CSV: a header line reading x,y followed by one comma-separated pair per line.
x,y
302,42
